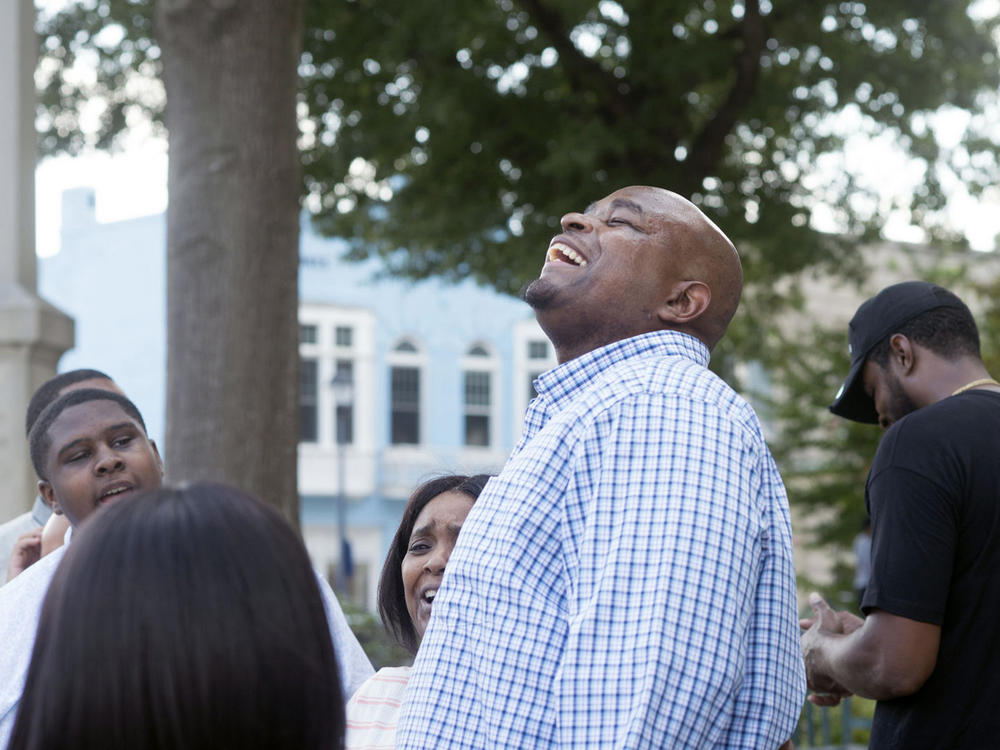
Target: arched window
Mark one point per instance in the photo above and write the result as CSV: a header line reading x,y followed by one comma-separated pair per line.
x,y
406,346
404,395
478,397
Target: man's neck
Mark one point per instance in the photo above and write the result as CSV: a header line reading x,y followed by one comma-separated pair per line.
x,y
944,377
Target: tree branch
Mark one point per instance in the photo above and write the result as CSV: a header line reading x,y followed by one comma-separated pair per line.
x,y
583,72
707,148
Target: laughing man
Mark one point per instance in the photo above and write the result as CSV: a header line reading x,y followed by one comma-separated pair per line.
x,y
627,580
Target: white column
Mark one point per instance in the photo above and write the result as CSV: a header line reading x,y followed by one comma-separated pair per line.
x,y
33,333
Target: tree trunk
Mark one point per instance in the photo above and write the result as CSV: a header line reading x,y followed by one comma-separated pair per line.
x,y
230,71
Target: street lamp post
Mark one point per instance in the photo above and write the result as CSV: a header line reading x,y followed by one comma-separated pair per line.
x,y
342,387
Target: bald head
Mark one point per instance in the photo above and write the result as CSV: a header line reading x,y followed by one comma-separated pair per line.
x,y
705,255
642,259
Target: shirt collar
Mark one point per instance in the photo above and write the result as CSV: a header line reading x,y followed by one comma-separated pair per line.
x,y
40,511
569,377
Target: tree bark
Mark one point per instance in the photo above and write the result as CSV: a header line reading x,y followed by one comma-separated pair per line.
x,y
230,71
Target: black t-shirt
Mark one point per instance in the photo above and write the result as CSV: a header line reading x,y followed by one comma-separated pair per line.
x,y
934,498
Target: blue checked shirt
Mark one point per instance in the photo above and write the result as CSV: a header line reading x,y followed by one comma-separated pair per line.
x,y
627,580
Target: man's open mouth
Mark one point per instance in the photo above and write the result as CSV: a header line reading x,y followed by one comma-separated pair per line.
x,y
561,252
111,492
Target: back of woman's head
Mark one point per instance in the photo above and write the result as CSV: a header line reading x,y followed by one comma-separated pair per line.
x,y
183,618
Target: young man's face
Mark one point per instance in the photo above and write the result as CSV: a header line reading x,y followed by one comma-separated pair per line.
x,y
97,454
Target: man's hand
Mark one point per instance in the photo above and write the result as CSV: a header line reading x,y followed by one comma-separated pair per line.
x,y
825,623
27,551
882,657
848,621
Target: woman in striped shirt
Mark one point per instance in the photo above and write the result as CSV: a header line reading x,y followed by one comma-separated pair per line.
x,y
410,579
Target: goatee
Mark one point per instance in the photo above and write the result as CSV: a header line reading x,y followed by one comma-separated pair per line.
x,y
539,293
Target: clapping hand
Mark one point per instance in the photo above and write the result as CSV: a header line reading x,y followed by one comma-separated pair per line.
x,y
825,622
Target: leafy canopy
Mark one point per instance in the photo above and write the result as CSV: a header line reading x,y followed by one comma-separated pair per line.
x,y
449,137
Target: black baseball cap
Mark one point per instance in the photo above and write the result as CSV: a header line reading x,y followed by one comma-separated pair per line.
x,y
877,318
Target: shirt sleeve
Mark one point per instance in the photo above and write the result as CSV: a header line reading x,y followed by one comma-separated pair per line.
x,y
354,665
682,629
914,528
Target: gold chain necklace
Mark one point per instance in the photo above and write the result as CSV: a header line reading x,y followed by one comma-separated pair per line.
x,y
975,384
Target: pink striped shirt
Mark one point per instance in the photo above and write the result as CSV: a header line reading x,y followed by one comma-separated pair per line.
x,y
373,711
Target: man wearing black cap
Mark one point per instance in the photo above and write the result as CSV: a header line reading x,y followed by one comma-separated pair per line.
x,y
925,650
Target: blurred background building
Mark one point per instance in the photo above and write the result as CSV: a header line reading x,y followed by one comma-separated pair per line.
x,y
399,380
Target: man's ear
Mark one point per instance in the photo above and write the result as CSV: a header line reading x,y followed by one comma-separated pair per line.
x,y
901,353
49,496
156,452
687,302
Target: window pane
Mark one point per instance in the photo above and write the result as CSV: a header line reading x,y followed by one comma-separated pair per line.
x,y
345,424
405,399
477,389
477,408
308,382
308,377
308,334
404,428
344,369
308,431
343,336
538,349
405,386
531,385
477,429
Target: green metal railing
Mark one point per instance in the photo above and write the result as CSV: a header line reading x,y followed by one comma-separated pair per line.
x,y
835,728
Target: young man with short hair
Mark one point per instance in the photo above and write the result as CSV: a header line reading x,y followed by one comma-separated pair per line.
x,y
22,535
89,448
925,650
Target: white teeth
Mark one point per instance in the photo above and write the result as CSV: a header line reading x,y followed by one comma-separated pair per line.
x,y
429,595
559,251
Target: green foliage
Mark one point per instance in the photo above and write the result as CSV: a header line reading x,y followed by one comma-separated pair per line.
x,y
822,458
825,727
381,649
449,137
98,74
464,130
989,326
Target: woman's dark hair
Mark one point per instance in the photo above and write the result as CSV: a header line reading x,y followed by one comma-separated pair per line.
x,y
391,597
183,618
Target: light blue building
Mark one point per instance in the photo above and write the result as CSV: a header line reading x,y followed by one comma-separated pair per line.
x,y
440,375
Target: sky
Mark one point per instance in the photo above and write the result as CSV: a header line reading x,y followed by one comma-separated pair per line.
x,y
128,184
